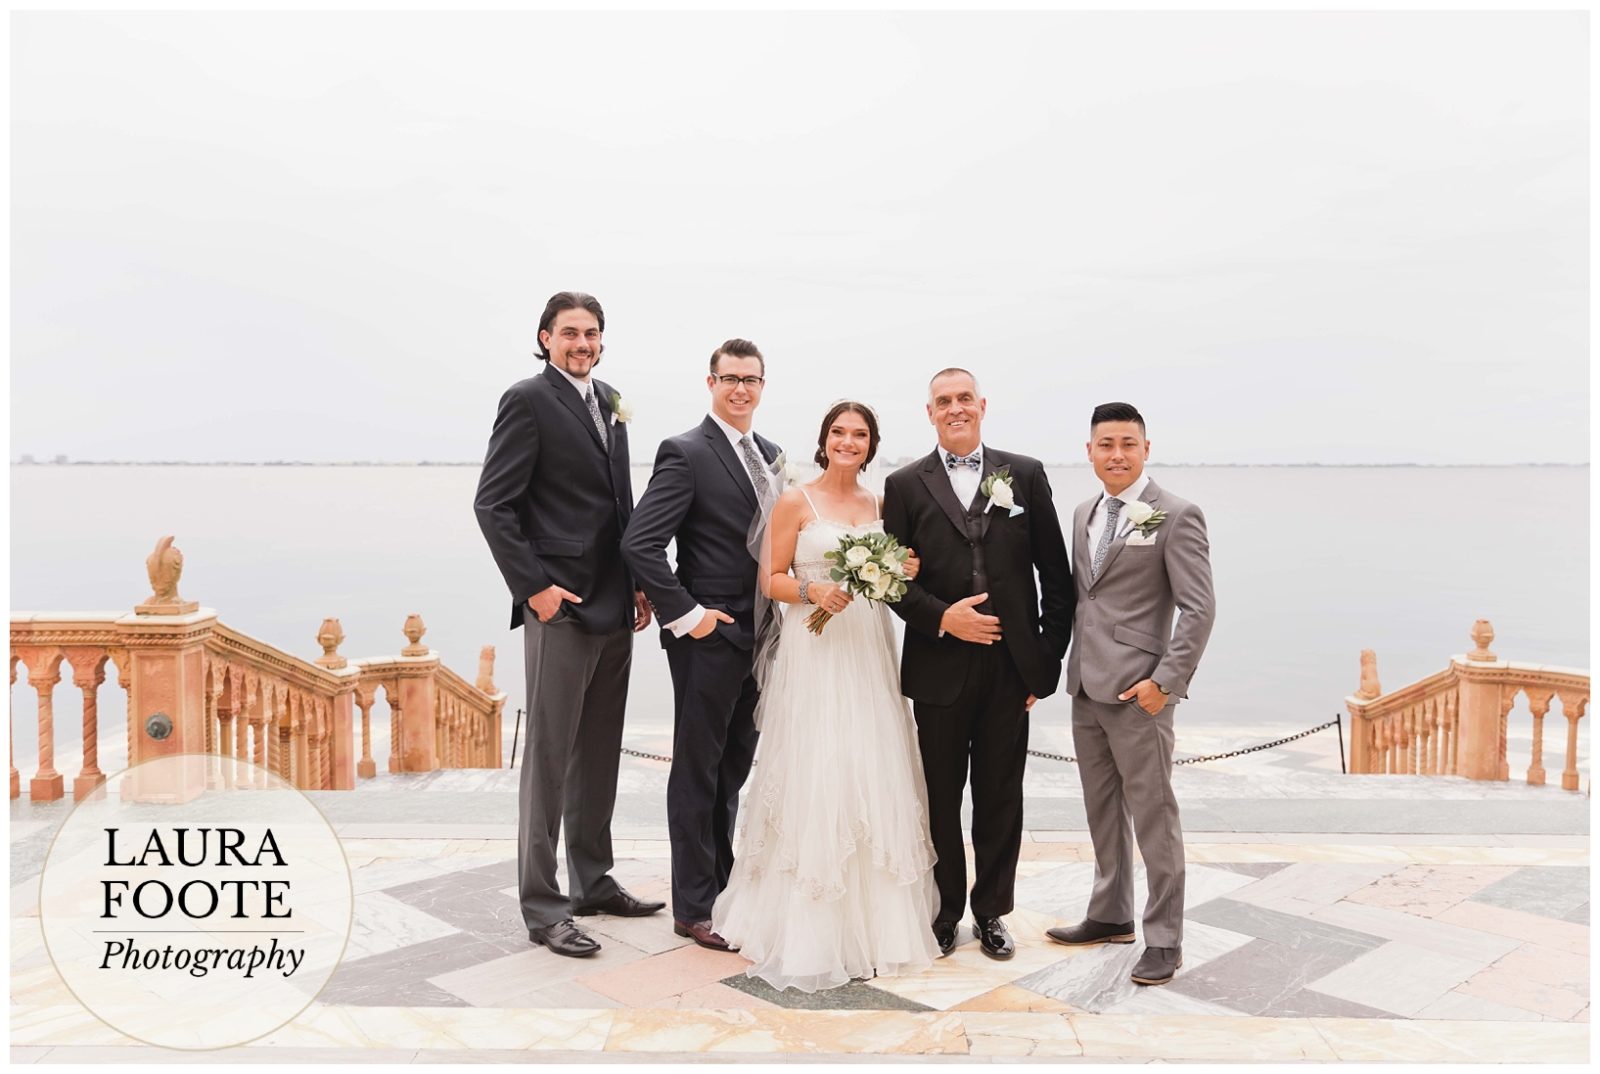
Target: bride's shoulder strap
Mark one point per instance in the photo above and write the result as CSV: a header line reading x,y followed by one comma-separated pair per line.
x,y
814,512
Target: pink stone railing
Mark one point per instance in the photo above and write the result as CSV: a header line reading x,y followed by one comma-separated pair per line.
x,y
195,685
1454,722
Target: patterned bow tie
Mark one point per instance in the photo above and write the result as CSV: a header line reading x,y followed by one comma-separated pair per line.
x,y
952,460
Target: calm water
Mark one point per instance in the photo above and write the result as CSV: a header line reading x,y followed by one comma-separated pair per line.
x,y
1312,565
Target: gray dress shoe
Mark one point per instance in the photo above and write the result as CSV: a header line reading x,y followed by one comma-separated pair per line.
x,y
565,938
1157,965
1088,932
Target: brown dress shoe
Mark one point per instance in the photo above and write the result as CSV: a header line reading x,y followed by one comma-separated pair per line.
x,y
700,932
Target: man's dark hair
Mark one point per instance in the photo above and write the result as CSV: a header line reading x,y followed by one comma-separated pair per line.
x,y
559,303
821,457
1116,412
738,348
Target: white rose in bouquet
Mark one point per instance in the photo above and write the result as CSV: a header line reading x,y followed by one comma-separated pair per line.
x,y
857,556
871,573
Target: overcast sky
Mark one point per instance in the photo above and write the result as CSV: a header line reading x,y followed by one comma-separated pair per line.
x,y
1285,237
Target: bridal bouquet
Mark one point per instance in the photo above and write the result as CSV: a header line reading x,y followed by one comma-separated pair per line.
x,y
871,565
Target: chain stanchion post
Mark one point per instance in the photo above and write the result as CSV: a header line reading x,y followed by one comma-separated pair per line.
x,y
1339,718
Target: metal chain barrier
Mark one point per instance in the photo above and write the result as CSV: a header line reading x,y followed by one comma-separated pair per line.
x,y
1337,721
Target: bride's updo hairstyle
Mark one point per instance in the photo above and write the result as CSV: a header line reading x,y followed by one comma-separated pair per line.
x,y
821,457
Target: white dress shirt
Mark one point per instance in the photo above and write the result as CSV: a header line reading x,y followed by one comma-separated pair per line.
x,y
1097,517
582,384
964,480
691,619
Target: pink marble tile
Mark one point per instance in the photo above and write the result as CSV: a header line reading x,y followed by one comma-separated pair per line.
x,y
1530,928
1550,966
647,981
1429,890
1508,987
718,997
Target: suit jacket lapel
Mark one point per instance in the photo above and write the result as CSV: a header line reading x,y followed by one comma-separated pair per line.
x,y
730,459
1149,496
574,402
938,482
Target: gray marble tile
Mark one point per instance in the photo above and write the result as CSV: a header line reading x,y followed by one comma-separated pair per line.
x,y
1262,974
1549,891
1257,869
391,994
855,996
1578,915
472,901
1091,978
1290,930
1309,1003
371,981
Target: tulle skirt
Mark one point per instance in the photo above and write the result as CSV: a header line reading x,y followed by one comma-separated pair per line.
x,y
833,868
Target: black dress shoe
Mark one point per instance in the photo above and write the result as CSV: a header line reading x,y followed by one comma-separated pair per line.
x,y
1157,965
1089,932
619,905
565,938
944,934
993,937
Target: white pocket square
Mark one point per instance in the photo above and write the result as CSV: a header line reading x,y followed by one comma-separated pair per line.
x,y
1137,538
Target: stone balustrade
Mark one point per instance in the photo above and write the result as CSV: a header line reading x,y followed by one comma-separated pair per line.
x,y
1454,722
195,685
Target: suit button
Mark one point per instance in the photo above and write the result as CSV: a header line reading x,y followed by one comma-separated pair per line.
x,y
1091,596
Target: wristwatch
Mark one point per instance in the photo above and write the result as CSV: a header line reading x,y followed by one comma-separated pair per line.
x,y
1164,691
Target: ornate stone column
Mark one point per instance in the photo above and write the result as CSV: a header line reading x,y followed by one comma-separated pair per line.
x,y
88,672
1478,719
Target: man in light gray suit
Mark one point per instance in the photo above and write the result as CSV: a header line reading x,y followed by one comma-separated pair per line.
x,y
1138,554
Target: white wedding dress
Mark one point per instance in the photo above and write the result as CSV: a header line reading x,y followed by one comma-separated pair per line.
x,y
833,868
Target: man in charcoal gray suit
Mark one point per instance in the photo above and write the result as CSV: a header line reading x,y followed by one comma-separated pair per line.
x,y
1139,554
553,499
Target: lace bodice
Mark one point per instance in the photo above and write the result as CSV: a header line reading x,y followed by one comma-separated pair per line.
x,y
822,535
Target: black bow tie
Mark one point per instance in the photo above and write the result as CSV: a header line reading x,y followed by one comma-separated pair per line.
x,y
952,460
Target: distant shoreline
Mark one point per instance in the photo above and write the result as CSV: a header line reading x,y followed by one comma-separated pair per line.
x,y
16,463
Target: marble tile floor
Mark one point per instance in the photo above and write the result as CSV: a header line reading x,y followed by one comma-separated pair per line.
x,y
1328,917
1292,952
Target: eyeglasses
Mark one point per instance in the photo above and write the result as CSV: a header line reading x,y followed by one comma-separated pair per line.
x,y
731,381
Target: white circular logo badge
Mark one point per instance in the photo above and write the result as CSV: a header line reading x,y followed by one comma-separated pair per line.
x,y
196,902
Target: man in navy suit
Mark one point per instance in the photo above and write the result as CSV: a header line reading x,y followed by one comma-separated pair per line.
x,y
705,491
553,501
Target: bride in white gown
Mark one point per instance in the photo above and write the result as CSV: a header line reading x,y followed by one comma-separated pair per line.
x,y
833,867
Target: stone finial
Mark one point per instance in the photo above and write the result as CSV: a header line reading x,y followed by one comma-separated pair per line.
x,y
1482,635
486,671
414,629
164,567
1369,676
330,636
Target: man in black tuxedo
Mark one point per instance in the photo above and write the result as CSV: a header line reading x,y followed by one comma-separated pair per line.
x,y
982,643
553,500
706,489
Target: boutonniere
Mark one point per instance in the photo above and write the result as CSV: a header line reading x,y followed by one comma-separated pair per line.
x,y
1146,520
620,411
997,486
784,470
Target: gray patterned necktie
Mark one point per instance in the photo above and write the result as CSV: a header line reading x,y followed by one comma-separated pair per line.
x,y
752,462
594,412
1113,510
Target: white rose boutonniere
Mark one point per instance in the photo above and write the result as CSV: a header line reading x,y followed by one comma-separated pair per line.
x,y
785,471
620,410
997,486
1145,519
